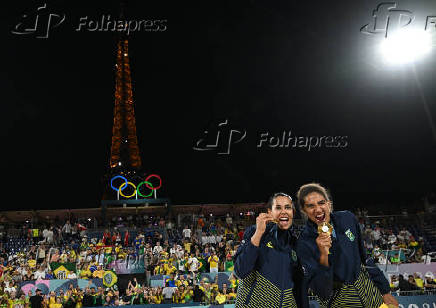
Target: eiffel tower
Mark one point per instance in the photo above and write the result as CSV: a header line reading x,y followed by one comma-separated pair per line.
x,y
125,182
125,159
124,148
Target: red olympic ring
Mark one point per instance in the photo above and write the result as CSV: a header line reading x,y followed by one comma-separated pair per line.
x,y
147,179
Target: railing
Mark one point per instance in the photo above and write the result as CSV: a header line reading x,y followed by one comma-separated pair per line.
x,y
399,293
415,292
14,232
213,302
387,216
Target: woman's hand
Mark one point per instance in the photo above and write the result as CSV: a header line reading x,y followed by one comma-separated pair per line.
x,y
261,222
324,242
389,299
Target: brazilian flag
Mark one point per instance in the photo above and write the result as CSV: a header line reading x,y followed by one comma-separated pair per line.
x,y
109,278
229,267
203,264
61,270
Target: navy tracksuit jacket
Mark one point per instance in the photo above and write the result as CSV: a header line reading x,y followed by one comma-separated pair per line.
x,y
346,257
271,273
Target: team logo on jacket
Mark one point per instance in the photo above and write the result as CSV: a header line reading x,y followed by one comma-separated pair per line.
x,y
269,244
305,273
294,255
350,235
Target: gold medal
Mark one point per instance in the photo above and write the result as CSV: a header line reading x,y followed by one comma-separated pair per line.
x,y
325,227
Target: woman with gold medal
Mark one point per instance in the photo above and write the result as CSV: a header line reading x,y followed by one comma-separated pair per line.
x,y
266,261
334,260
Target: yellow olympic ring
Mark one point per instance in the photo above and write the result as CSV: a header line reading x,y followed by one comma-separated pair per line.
x,y
122,186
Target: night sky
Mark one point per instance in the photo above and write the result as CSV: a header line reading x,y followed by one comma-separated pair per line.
x,y
262,67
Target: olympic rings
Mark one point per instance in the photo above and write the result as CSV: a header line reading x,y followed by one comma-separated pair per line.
x,y
146,184
136,190
118,177
156,176
122,187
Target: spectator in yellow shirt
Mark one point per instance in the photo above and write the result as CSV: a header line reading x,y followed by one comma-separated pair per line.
x,y
79,299
170,269
181,281
419,282
31,262
187,246
121,254
213,262
159,269
85,273
52,298
233,281
220,298
57,304
98,273
413,244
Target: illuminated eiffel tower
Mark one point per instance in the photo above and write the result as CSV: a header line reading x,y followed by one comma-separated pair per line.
x,y
125,182
124,148
125,156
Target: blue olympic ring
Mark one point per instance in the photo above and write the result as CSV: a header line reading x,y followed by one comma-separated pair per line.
x,y
119,177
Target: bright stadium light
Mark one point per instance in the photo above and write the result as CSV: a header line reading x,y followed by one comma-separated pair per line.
x,y
406,46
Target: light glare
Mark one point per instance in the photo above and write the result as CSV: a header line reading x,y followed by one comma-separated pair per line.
x,y
406,46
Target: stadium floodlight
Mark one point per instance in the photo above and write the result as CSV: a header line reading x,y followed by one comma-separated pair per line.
x,y
405,46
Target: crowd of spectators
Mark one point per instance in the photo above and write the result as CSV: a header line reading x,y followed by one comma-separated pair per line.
x,y
388,243
408,284
180,252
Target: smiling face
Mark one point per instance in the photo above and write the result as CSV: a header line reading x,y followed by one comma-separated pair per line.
x,y
282,211
317,208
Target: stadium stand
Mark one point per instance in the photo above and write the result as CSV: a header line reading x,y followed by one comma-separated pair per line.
x,y
142,258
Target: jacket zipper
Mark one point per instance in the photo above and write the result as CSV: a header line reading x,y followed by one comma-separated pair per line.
x,y
282,286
